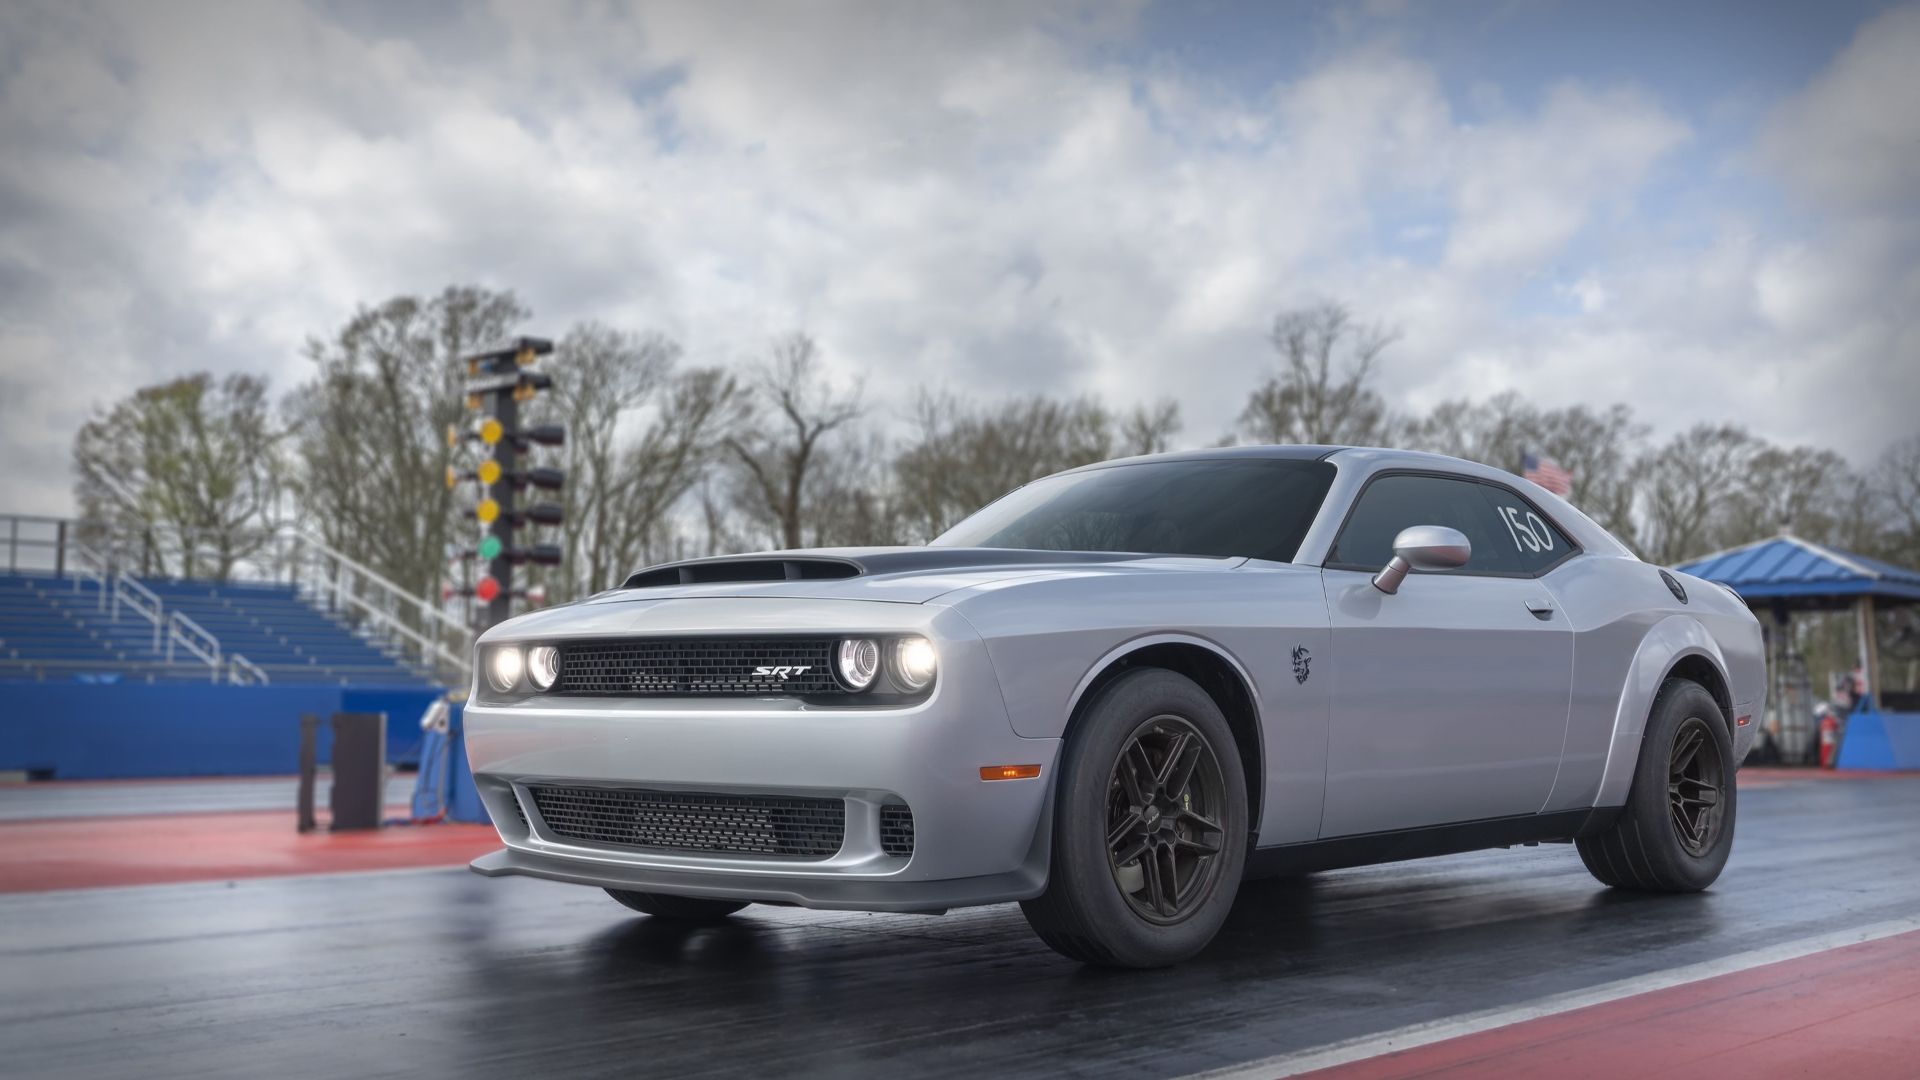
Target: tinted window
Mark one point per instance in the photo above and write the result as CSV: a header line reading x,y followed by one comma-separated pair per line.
x,y
1259,508
1508,536
1536,543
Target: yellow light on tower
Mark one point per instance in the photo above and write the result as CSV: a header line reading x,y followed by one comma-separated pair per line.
x,y
525,357
453,437
523,393
453,478
489,471
488,511
491,431
473,403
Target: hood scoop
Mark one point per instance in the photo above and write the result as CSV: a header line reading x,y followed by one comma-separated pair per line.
x,y
729,571
832,563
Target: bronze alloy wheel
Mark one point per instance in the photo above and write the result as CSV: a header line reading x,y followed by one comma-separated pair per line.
x,y
1164,802
1696,776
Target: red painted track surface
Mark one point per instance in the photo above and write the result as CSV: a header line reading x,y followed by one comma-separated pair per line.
x,y
1853,1012
152,850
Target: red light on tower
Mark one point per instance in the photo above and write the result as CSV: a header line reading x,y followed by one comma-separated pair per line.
x,y
486,589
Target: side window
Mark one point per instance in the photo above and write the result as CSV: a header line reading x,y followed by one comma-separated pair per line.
x,y
1392,503
1508,535
1532,542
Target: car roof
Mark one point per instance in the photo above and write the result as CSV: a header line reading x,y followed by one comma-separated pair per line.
x,y
1286,452
1368,460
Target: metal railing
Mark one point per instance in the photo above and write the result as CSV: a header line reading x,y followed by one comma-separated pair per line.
x,y
142,602
184,633
87,565
417,629
416,626
244,672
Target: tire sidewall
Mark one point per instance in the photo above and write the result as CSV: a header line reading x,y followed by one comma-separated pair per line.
x,y
1678,702
1081,862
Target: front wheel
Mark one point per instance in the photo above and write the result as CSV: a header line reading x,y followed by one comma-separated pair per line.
x,y
1676,830
1150,827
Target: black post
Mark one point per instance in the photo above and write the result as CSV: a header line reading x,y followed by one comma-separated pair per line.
x,y
507,410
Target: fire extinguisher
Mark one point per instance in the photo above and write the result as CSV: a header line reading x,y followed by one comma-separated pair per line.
x,y
1829,739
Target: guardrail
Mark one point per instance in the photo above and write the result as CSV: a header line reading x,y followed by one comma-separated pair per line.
x,y
87,565
418,628
244,672
183,632
141,601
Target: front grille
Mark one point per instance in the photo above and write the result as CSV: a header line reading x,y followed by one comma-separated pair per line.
x,y
689,821
896,831
682,666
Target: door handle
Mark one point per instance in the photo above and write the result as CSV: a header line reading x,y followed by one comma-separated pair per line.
x,y
1541,609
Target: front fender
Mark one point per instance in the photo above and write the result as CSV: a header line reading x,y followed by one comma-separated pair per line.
x,y
1666,643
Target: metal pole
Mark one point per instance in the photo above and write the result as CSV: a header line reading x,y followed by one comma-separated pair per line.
x,y
60,549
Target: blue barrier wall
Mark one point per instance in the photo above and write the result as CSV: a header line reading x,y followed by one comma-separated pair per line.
x,y
114,730
82,731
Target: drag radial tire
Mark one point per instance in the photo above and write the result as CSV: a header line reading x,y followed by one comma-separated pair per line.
x,y
1677,827
1149,826
682,908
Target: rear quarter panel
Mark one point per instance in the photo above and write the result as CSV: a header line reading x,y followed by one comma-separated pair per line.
x,y
1629,632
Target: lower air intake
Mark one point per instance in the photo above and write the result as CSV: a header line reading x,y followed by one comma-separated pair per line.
x,y
689,821
896,831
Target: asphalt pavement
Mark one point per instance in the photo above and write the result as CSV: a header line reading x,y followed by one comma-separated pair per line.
x,y
441,972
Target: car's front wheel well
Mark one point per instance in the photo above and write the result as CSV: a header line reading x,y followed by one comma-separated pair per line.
x,y
1698,669
1222,683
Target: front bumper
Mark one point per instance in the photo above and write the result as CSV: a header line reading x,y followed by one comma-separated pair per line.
x,y
975,842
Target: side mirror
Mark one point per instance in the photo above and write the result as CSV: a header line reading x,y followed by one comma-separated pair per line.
x,y
1423,547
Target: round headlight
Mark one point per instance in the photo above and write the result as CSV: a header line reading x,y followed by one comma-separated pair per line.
x,y
858,662
914,663
503,668
543,666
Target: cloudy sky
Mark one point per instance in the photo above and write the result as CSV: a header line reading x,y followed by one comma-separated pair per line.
x,y
1707,211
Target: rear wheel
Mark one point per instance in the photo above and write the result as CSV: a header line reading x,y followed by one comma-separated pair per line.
x,y
1676,830
1150,827
679,908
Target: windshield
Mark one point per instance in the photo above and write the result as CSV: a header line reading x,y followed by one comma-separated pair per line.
x,y
1255,507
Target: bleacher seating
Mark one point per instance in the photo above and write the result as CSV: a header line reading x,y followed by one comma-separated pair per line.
x,y
52,628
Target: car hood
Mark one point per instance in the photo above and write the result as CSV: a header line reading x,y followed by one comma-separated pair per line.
x,y
907,575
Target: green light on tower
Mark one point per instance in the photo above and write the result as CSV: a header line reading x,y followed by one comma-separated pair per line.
x,y
490,548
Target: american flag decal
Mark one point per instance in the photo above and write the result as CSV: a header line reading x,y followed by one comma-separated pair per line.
x,y
1546,472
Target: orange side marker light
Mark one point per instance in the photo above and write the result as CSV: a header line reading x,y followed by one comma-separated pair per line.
x,y
1009,772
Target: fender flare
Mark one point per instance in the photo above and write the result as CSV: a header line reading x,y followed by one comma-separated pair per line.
x,y
1255,757
1668,642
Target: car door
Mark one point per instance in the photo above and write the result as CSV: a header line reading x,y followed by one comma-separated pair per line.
x,y
1450,697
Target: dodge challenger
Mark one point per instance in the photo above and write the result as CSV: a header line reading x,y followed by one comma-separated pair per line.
x,y
1119,691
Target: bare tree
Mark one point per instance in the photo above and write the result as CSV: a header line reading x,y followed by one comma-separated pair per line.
x,y
781,456
1595,447
639,433
1320,394
193,465
369,428
966,455
1684,487
1895,479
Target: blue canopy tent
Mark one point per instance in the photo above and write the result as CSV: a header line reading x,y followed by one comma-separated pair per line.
x,y
1784,574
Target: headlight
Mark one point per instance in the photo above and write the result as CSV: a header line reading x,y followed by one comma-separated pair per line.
x,y
543,666
857,663
503,668
914,663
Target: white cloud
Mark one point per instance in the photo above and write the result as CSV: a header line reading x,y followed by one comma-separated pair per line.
x,y
979,196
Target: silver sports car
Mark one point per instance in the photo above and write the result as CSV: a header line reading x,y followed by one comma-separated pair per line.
x,y
1119,691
